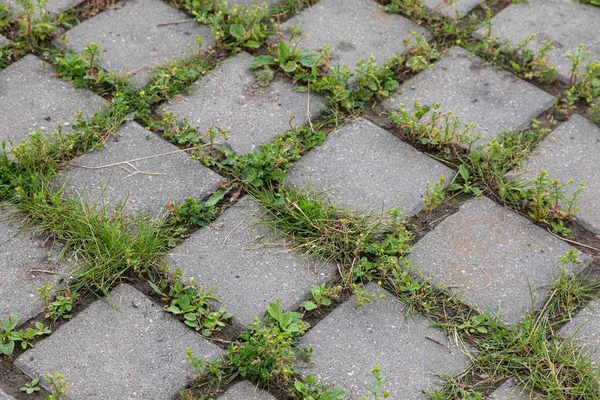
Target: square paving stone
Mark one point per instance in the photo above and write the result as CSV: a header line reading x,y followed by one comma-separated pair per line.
x,y
490,97
366,168
249,270
229,98
131,40
245,391
52,6
566,23
573,151
32,98
585,329
510,391
4,396
136,351
25,265
143,167
354,29
350,341
449,8
492,256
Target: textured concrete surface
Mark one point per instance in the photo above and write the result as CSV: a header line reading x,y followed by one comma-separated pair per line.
x,y
136,351
248,267
3,40
565,23
510,391
354,30
26,262
4,396
366,168
229,98
132,41
449,8
573,151
476,92
491,256
351,340
52,6
245,391
585,329
32,98
142,167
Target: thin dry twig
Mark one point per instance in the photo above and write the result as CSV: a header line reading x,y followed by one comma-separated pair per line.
x,y
129,161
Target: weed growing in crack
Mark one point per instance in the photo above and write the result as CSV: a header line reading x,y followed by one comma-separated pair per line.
x,y
60,306
31,387
322,296
436,196
585,75
9,337
58,385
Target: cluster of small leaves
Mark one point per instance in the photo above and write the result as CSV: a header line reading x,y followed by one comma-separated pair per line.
x,y
585,75
547,198
235,28
59,307
322,296
9,336
193,305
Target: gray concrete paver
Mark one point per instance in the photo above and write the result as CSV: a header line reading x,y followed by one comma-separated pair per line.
x,y
366,168
510,391
449,8
3,40
4,396
245,391
566,23
136,351
491,256
31,98
585,329
573,151
350,341
132,41
20,255
229,98
249,269
52,6
150,183
354,29
474,91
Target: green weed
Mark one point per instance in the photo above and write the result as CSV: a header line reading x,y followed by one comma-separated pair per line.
x,y
9,336
322,296
436,196
31,387
58,385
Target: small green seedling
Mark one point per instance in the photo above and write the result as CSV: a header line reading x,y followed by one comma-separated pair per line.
x,y
322,296
31,387
9,336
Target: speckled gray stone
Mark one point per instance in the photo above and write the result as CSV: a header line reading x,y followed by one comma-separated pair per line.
x,y
566,23
19,254
229,98
366,168
573,151
3,40
130,39
351,340
510,391
32,98
245,391
492,257
585,329
135,352
249,270
449,8
52,6
151,183
475,92
4,396
354,29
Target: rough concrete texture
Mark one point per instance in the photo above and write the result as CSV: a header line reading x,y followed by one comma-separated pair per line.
x,y
476,92
4,396
229,98
366,168
31,98
20,255
162,174
351,340
52,6
245,391
249,269
136,351
3,40
249,3
585,329
354,29
491,256
565,23
131,40
449,8
573,151
510,391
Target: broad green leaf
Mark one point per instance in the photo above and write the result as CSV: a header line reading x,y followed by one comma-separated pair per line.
x,y
217,196
308,57
464,172
7,348
237,31
253,44
309,305
190,316
261,60
326,302
289,66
